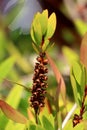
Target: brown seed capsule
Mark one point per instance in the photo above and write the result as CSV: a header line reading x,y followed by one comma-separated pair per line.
x,y
39,90
37,71
39,59
45,77
35,103
35,94
41,105
45,61
37,81
43,84
45,70
31,99
42,54
41,75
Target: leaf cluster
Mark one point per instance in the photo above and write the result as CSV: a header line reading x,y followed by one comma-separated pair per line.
x,y
42,29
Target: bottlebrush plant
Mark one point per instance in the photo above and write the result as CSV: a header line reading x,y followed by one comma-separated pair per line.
x,y
49,117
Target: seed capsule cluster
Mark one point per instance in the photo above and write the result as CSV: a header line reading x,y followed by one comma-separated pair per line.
x,y
39,83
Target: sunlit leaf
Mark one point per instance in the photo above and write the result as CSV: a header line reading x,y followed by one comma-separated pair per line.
x,y
40,128
45,45
35,47
14,126
47,124
59,78
5,67
83,50
32,35
77,71
74,86
10,125
12,113
36,32
51,26
31,126
16,90
44,21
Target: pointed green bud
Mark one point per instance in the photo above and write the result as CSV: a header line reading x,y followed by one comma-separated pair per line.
x,y
36,32
44,21
51,26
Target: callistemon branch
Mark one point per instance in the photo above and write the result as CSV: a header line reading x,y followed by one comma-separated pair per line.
x,y
42,29
78,118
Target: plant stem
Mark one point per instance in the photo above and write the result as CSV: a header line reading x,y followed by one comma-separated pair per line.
x,y
36,116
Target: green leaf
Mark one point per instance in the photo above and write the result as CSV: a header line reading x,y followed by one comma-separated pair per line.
x,y
51,26
12,126
35,47
12,113
45,45
83,50
39,128
13,13
37,32
44,21
77,71
47,124
31,126
16,90
5,67
19,126
32,35
74,86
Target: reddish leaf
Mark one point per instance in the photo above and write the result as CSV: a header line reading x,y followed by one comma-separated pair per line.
x,y
11,113
59,78
83,51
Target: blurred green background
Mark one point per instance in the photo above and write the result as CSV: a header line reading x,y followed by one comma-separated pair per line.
x,y
17,56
